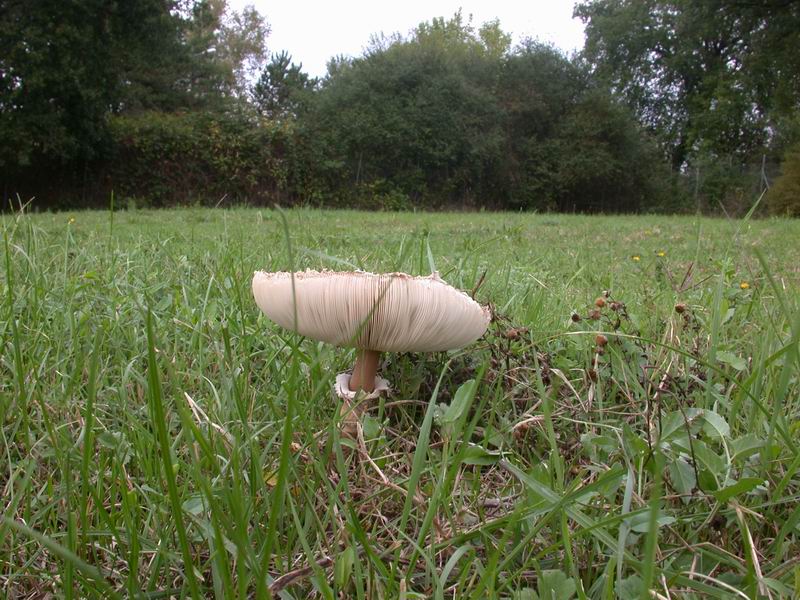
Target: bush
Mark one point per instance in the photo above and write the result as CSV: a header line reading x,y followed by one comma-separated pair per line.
x,y
167,158
784,197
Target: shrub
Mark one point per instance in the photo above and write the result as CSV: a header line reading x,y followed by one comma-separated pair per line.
x,y
784,197
167,158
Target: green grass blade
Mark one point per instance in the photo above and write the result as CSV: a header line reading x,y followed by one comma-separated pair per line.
x,y
160,425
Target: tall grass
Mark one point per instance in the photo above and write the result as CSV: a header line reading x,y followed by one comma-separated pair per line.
x,y
160,438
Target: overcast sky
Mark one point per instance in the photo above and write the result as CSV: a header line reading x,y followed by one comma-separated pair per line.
x,y
313,32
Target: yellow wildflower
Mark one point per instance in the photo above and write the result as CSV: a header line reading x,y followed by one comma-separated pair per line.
x,y
636,257
661,254
71,221
744,285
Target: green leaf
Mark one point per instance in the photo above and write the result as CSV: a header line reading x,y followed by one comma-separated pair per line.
x,y
477,455
707,481
344,567
640,522
682,476
194,505
747,445
727,317
675,423
744,485
109,439
461,401
633,444
704,455
555,585
716,425
670,423
372,427
630,588
729,358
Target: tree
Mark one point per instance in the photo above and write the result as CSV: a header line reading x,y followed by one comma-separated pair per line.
x,y
453,115
704,76
538,88
67,65
64,64
600,160
229,46
283,89
418,114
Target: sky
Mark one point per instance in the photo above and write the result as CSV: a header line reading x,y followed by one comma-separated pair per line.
x,y
313,32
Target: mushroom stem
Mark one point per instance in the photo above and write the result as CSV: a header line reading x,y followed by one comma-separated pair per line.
x,y
364,371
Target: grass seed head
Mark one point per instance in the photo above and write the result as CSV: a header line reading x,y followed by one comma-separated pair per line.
x,y
514,333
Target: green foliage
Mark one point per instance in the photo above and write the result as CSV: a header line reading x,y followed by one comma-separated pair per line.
x,y
715,82
196,157
228,47
451,116
66,66
784,196
571,146
599,157
703,75
282,91
417,113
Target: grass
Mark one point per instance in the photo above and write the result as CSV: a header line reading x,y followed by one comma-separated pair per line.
x,y
161,438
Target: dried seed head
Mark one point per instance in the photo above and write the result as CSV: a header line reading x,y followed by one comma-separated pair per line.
x,y
600,340
600,350
521,429
594,314
514,333
592,374
576,318
615,306
600,302
681,308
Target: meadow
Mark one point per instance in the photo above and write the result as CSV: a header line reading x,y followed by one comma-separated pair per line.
x,y
627,428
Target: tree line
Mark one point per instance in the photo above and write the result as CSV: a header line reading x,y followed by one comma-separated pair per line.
x,y
671,106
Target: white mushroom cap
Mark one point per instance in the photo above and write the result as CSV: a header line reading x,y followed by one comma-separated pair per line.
x,y
394,312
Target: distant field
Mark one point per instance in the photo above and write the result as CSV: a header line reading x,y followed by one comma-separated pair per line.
x,y
663,455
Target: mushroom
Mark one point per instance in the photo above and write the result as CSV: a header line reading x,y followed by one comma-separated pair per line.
x,y
374,313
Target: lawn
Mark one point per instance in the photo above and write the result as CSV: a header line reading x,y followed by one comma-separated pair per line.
x,y
628,423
